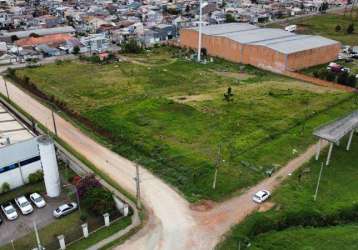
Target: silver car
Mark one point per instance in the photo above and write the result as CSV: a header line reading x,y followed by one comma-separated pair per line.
x,y
65,209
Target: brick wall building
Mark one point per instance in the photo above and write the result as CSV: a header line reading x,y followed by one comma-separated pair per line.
x,y
272,49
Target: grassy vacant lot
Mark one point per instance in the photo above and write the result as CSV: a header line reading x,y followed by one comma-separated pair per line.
x,y
325,25
294,204
170,114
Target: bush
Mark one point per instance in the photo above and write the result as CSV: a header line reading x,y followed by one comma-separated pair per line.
x,y
86,183
343,78
330,76
352,81
338,28
5,187
350,29
36,177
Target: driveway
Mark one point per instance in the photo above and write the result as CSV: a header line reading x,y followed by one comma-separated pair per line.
x,y
172,224
12,230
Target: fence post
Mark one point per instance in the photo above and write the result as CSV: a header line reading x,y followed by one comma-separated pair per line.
x,y
85,230
61,240
125,209
106,219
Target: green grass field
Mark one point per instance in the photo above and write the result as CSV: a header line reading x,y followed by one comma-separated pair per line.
x,y
325,25
337,192
170,114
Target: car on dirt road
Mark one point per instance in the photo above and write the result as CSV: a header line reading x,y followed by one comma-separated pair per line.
x,y
65,209
38,200
261,196
9,211
24,205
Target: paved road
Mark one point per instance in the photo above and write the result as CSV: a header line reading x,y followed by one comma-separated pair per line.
x,y
172,224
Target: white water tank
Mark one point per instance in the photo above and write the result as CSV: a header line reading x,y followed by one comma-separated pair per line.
x,y
49,165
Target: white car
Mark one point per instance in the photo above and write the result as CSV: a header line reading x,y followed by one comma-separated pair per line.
x,y
64,209
24,205
9,211
261,196
37,200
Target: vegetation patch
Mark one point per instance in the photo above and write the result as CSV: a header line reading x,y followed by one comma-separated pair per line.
x,y
266,121
297,221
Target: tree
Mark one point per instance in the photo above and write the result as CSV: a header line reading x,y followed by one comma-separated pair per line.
x,y
350,29
338,28
187,9
99,200
14,38
229,18
76,50
131,46
229,95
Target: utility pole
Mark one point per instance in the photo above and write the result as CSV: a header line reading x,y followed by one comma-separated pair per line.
x,y
200,27
54,122
319,179
7,90
137,179
39,247
218,159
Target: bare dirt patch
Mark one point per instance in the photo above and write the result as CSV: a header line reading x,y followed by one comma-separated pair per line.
x,y
192,98
202,206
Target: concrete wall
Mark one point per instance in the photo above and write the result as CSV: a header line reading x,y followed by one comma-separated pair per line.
x,y
259,56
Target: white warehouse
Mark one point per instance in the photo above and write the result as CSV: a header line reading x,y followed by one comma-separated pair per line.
x,y
22,153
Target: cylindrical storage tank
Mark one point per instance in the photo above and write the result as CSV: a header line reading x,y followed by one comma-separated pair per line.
x,y
49,165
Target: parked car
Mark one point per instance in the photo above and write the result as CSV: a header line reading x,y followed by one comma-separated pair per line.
x,y
38,200
65,209
9,211
291,28
261,196
24,205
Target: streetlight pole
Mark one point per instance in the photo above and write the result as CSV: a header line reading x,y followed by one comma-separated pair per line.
x,y
200,27
7,90
137,179
218,159
54,122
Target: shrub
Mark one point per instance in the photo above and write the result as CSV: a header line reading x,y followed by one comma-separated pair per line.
x,y
352,81
343,78
330,76
36,177
322,74
338,28
5,187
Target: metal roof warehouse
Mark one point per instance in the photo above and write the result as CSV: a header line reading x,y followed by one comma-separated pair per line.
x,y
273,49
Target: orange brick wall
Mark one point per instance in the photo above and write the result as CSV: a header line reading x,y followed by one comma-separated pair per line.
x,y
308,58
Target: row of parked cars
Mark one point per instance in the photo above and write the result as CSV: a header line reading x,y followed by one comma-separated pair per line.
x,y
26,207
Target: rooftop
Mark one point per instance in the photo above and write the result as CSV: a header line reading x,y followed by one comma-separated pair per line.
x,y
334,131
277,39
11,129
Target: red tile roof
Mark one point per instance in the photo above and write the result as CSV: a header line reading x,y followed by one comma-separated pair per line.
x,y
55,39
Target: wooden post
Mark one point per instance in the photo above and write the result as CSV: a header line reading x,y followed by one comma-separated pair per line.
x,y
350,140
329,153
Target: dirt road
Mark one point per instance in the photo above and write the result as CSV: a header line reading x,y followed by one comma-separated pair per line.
x,y
172,224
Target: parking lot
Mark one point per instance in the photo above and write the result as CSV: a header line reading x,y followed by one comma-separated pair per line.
x,y
12,230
